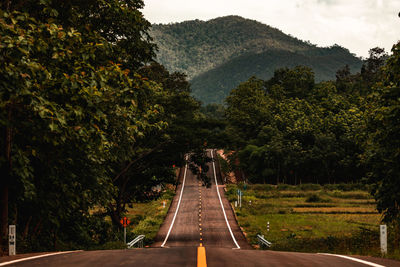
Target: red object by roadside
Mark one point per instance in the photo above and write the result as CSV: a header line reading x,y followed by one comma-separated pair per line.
x,y
125,222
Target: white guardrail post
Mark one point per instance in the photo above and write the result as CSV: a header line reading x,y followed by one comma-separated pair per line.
x,y
138,240
263,241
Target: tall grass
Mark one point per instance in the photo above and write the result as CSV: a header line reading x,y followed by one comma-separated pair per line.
x,y
338,218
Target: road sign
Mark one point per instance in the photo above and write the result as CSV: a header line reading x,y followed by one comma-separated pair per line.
x,y
383,231
125,222
12,240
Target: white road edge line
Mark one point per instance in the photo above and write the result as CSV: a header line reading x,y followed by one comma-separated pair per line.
x,y
353,259
37,257
222,205
177,207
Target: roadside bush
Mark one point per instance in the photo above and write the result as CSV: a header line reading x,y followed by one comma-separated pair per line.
x,y
262,187
310,187
316,198
282,187
347,187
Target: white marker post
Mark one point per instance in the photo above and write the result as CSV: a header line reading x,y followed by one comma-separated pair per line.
x,y
238,194
12,240
383,231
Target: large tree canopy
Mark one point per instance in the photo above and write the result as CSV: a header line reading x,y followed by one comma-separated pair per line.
x,y
87,123
289,129
383,150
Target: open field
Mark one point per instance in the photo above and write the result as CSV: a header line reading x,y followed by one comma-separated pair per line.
x,y
310,218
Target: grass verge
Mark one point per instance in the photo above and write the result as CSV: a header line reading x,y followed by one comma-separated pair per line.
x,y
311,218
146,218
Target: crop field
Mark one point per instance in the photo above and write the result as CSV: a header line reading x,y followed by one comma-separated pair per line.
x,y
309,217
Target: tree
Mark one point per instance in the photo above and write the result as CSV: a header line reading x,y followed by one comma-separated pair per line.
x,y
371,69
148,160
120,22
246,111
296,82
68,112
383,153
295,131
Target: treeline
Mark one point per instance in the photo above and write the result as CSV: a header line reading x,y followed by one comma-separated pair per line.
x,y
89,121
289,129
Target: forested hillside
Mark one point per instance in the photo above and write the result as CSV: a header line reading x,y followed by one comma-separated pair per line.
x,y
219,54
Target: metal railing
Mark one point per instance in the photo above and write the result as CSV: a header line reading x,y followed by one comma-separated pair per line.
x,y
138,240
263,241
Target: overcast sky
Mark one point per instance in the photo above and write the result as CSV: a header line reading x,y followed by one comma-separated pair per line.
x,y
355,24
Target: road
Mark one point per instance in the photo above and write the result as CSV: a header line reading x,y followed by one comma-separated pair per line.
x,y
200,229
200,218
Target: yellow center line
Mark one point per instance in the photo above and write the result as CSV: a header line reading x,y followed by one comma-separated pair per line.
x,y
201,256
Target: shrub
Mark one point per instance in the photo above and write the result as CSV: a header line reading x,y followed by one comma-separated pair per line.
x,y
310,187
313,198
262,187
316,198
282,187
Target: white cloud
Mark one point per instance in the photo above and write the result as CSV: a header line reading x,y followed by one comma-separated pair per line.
x,y
355,24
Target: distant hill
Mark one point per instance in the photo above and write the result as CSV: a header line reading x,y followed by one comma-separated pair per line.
x,y
219,54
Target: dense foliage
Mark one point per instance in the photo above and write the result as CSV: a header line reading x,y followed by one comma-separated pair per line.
x,y
289,129
383,150
88,123
219,54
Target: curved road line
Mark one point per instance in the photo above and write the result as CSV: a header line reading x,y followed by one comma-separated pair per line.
x,y
37,257
222,206
354,259
177,208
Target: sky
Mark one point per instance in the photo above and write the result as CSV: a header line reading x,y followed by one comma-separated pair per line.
x,y
357,25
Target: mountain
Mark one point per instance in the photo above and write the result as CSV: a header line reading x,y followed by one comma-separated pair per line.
x,y
218,54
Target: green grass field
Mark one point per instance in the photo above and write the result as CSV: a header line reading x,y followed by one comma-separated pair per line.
x,y
310,218
146,218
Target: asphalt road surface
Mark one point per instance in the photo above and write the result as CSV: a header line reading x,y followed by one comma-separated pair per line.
x,y
200,229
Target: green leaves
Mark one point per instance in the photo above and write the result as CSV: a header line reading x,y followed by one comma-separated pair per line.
x,y
383,147
77,117
290,130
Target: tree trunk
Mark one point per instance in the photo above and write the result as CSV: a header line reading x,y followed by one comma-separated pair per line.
x,y
4,217
26,230
5,184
